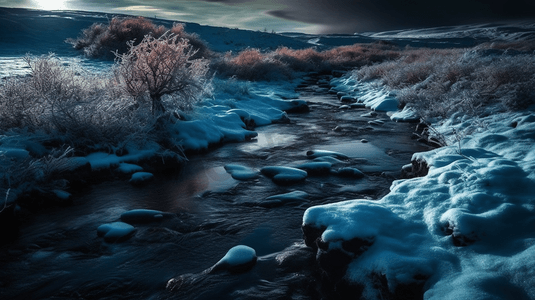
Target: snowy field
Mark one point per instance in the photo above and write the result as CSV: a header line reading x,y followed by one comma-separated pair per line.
x,y
464,230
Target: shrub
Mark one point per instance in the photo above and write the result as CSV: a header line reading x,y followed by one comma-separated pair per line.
x,y
439,82
101,41
87,112
160,67
251,64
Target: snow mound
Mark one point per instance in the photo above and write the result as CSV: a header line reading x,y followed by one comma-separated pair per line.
x,y
129,168
322,153
407,114
375,98
284,175
140,178
102,160
239,172
14,153
228,116
115,232
238,259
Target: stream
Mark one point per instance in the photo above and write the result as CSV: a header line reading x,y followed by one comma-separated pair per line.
x,y
58,254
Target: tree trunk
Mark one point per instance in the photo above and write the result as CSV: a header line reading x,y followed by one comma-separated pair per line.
x,y
157,106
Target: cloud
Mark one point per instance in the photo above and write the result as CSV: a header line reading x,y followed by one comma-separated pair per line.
x,y
349,16
314,16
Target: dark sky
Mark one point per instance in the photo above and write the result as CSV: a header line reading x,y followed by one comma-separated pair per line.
x,y
311,16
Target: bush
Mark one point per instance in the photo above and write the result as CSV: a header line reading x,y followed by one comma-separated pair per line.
x,y
84,111
101,41
163,66
251,64
439,82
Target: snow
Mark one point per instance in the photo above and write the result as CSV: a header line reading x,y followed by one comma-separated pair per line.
x,y
239,172
373,97
221,119
284,175
116,231
238,255
141,177
350,172
468,226
102,160
63,195
238,259
322,153
129,168
407,114
329,159
14,153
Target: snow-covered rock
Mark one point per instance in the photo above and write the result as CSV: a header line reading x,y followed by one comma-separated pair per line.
x,y
349,172
239,172
321,153
14,153
140,178
284,175
129,168
237,260
407,114
115,232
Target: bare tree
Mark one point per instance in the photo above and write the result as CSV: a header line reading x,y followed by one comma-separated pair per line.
x,y
163,66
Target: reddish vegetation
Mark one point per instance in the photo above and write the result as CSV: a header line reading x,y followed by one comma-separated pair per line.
x,y
252,64
100,40
439,82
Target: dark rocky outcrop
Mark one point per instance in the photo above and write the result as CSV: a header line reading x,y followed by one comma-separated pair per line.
x,y
418,168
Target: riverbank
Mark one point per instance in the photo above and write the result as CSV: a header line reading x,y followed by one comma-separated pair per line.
x,y
466,228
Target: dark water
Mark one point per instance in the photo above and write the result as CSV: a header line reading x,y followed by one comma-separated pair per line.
x,y
59,256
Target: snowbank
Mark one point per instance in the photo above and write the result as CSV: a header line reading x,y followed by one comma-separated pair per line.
x,y
227,116
465,229
374,97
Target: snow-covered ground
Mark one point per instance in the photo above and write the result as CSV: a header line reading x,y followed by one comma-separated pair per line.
x,y
467,227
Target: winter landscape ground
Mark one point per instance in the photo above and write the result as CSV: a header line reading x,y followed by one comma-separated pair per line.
x,y
131,174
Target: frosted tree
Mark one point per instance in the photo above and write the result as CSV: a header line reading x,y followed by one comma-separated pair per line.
x,y
163,66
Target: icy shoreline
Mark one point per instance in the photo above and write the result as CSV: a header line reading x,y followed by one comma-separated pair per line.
x,y
466,228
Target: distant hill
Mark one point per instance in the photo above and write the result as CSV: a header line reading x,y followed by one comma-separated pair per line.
x,y
41,32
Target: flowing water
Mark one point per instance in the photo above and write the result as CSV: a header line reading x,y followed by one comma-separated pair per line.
x,y
59,256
